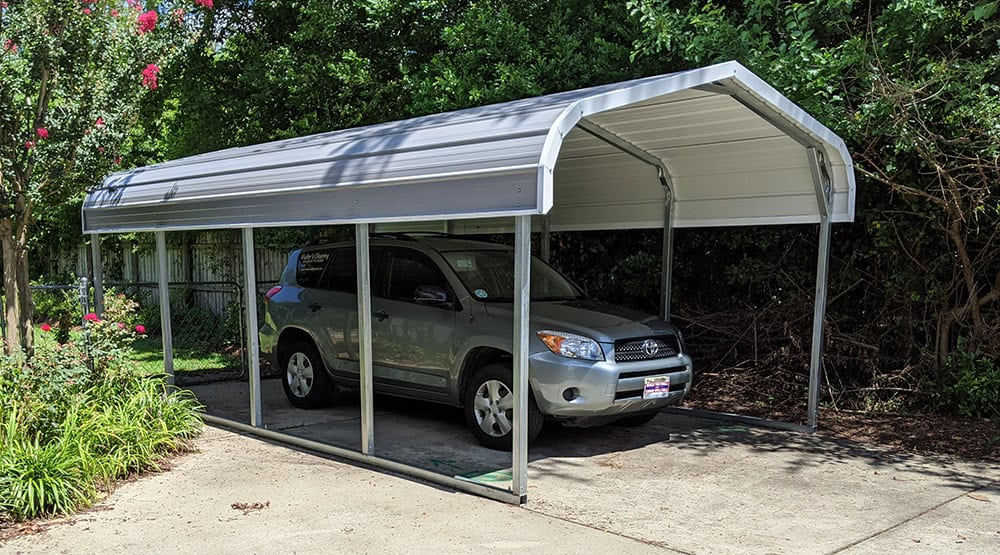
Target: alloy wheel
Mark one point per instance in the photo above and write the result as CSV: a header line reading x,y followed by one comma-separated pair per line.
x,y
299,375
494,408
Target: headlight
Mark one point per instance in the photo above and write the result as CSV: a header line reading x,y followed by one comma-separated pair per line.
x,y
571,345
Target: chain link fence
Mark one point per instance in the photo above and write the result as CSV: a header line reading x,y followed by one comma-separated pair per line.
x,y
207,324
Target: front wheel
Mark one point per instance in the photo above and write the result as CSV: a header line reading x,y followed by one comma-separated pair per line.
x,y
304,377
489,408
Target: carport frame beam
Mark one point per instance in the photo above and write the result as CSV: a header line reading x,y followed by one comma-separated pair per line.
x,y
522,308
365,374
253,338
98,266
163,284
824,193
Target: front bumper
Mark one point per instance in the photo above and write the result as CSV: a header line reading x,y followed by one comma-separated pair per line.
x,y
605,388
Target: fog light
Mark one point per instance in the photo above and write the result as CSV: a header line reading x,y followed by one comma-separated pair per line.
x,y
571,393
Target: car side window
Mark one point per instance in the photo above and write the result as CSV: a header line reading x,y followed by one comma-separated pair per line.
x,y
310,266
409,270
342,271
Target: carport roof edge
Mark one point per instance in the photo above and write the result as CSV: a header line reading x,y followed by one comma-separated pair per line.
x,y
736,152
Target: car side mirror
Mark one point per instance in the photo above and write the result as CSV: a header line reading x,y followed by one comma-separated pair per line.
x,y
431,295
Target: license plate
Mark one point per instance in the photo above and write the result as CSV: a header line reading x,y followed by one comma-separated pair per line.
x,y
656,387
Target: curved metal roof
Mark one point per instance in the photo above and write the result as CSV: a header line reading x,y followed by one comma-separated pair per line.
x,y
732,150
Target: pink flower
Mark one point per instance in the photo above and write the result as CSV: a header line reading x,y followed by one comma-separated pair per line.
x,y
149,76
135,4
86,11
46,327
91,317
42,133
140,329
3,5
28,145
179,15
118,160
121,325
147,21
99,122
100,149
204,3
114,12
9,45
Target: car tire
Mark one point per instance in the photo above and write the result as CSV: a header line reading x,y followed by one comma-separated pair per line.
x,y
638,419
303,376
489,407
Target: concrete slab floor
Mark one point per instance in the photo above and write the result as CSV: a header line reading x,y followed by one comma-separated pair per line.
x,y
305,504
687,484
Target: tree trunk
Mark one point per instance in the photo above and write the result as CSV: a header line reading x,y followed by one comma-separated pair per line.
x,y
19,309
12,293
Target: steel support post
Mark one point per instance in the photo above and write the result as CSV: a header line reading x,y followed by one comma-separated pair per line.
x,y
824,198
163,283
95,255
667,268
365,338
819,315
522,307
253,340
546,253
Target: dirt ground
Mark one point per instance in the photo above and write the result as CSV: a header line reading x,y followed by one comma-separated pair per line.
x,y
922,434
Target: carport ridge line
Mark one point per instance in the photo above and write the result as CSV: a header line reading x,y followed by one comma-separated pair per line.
x,y
653,543
912,518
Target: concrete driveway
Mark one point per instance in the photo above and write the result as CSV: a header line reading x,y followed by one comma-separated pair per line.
x,y
678,484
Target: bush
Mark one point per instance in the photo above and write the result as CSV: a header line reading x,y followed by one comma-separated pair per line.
x,y
61,306
973,386
78,417
39,479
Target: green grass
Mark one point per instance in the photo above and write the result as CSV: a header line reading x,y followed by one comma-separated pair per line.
x,y
148,354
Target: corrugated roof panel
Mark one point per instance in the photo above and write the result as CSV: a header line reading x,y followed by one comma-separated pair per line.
x,y
734,149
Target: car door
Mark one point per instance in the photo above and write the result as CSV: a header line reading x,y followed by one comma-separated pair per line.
x,y
337,307
412,342
315,307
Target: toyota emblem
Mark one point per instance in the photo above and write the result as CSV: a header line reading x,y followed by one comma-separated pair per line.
x,y
650,347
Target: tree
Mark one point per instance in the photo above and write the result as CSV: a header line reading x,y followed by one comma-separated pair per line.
x,y
914,88
72,75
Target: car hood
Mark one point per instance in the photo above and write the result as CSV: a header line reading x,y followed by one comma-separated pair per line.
x,y
603,322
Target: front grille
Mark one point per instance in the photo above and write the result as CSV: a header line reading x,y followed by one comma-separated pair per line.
x,y
646,348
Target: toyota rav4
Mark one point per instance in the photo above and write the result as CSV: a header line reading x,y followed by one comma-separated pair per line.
x,y
442,331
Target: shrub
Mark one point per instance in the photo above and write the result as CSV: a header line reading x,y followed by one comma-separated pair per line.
x,y
973,386
82,415
38,479
61,306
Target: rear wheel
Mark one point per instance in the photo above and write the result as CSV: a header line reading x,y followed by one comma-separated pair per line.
x,y
304,377
489,407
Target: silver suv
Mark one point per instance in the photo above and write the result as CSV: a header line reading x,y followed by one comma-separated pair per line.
x,y
442,330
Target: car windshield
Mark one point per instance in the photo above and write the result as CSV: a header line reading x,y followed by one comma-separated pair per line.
x,y
489,276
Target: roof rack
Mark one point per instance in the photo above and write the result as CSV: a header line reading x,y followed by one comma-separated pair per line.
x,y
412,235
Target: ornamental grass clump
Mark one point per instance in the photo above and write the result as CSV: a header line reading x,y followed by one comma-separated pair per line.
x,y
77,417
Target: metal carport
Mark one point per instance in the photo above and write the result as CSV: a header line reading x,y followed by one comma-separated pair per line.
x,y
709,147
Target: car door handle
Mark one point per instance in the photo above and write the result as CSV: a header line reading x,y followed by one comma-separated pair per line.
x,y
315,306
381,315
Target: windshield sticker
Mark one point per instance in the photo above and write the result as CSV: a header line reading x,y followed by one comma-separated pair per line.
x,y
481,293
